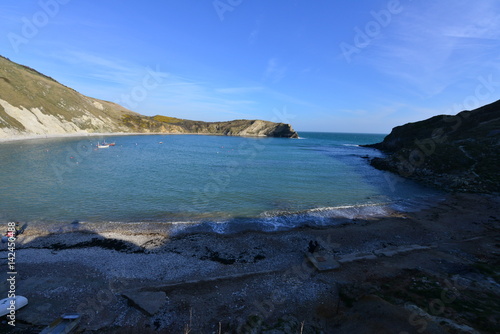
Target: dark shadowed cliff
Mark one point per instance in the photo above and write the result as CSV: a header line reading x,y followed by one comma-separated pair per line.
x,y
32,103
459,153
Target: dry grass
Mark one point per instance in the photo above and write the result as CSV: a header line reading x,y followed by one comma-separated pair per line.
x,y
188,327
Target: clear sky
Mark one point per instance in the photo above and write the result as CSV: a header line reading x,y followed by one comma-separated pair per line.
x,y
321,65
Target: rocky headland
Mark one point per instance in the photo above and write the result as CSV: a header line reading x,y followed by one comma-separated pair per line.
x,y
33,104
455,153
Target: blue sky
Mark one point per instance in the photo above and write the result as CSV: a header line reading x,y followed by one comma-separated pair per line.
x,y
335,66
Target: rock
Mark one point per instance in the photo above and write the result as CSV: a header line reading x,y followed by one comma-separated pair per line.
x,y
242,127
148,301
457,153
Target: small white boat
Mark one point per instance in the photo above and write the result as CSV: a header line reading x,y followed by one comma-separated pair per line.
x,y
20,301
103,145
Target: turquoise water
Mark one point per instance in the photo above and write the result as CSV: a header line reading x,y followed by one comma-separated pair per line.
x,y
221,182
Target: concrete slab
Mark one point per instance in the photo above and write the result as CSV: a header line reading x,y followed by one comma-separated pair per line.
x,y
398,250
323,261
356,257
149,301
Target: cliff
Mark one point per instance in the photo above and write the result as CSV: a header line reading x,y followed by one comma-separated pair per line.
x,y
164,124
455,153
34,104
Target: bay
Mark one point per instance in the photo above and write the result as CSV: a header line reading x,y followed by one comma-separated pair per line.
x,y
212,182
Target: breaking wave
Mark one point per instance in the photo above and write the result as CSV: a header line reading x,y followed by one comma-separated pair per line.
x,y
276,220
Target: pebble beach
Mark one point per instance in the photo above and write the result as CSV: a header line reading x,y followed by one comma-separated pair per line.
x,y
139,279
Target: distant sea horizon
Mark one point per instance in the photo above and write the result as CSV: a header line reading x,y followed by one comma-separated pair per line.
x,y
202,183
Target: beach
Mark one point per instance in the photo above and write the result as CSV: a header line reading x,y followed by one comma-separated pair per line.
x,y
98,135
427,271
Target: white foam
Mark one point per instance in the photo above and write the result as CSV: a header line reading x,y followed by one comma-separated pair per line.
x,y
269,221
219,227
353,211
323,216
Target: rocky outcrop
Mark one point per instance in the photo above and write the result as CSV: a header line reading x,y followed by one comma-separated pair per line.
x,y
253,128
457,153
34,104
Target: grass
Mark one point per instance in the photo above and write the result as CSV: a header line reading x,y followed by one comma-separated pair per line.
x,y
472,305
167,119
188,327
26,87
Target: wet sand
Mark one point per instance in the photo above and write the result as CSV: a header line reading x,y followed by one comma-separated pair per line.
x,y
432,271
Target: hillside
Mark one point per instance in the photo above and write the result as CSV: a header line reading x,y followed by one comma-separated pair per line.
x,y
254,128
32,103
458,153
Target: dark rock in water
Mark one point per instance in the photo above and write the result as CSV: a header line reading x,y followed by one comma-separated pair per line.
x,y
456,153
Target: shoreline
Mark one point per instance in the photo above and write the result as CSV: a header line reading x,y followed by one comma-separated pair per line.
x,y
111,134
65,135
230,226
126,279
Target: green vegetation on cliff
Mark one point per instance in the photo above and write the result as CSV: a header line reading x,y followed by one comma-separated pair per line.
x,y
166,119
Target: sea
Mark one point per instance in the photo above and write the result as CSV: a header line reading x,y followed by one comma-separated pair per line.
x,y
198,183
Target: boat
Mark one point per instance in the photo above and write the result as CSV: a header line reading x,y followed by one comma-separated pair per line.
x,y
105,145
66,323
20,301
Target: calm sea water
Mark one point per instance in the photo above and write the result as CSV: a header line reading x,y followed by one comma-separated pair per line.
x,y
200,182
